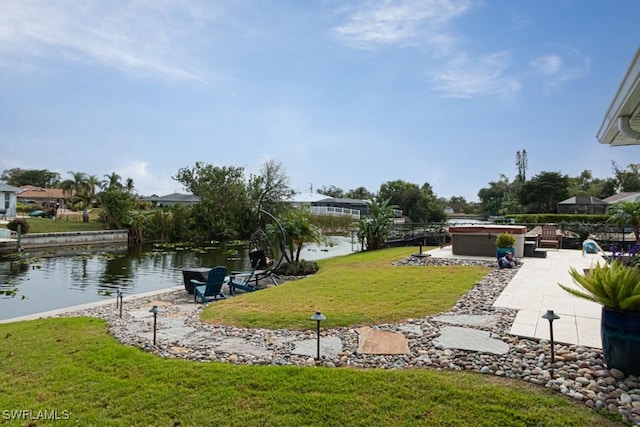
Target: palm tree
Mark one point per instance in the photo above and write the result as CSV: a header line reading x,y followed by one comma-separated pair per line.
x,y
112,182
359,193
128,186
298,230
92,183
626,213
76,187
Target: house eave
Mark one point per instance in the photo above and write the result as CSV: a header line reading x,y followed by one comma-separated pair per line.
x,y
626,103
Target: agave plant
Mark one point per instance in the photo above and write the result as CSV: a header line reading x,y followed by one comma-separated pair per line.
x,y
615,286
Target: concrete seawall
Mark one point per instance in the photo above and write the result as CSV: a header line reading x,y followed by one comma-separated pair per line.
x,y
50,240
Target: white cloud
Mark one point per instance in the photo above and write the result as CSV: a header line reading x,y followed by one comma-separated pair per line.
x,y
559,68
463,77
547,65
401,22
145,181
146,37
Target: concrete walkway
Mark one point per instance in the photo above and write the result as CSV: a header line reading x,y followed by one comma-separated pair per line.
x,y
534,290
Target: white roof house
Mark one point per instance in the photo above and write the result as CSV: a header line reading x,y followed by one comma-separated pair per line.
x,y
621,124
307,197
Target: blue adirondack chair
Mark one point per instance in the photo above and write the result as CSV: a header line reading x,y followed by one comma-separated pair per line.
x,y
212,288
243,280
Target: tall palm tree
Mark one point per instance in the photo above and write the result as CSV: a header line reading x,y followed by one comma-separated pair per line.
x,y
112,182
128,185
76,187
92,183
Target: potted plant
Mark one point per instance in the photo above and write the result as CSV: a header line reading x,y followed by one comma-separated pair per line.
x,y
504,244
616,286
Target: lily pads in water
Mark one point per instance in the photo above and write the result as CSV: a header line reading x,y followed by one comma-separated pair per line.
x,y
230,252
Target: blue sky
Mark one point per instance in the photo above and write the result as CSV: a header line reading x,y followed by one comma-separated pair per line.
x,y
344,93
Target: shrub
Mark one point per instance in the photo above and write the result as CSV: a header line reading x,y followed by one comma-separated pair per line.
x,y
505,240
24,225
299,268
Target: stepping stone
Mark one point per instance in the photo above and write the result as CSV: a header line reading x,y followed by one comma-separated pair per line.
x,y
470,339
412,330
482,320
240,346
180,350
330,347
158,303
141,314
373,341
168,323
198,339
173,334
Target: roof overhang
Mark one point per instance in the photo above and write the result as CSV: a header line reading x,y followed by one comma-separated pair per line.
x,y
621,124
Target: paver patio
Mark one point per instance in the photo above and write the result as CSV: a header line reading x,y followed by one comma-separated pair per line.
x,y
534,290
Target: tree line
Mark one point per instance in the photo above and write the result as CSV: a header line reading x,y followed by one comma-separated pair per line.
x,y
228,198
543,192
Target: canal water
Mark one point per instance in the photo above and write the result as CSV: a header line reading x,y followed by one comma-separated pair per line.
x,y
38,283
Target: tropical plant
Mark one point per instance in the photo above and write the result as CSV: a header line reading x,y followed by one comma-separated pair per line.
x,y
505,240
614,285
129,185
112,182
373,230
77,188
626,213
138,223
116,208
298,230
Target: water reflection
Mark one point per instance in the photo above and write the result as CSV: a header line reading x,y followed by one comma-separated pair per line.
x,y
41,284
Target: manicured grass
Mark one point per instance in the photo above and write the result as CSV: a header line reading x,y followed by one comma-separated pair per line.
x,y
74,365
46,225
357,289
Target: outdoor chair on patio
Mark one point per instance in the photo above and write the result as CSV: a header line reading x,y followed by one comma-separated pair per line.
x,y
212,288
549,237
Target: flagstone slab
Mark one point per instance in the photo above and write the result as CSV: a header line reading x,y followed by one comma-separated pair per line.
x,y
470,339
240,346
374,341
411,330
330,347
482,320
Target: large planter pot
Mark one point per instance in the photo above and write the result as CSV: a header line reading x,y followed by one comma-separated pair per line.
x,y
620,331
500,252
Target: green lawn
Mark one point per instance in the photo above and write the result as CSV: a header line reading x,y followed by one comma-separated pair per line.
x,y
46,225
357,289
74,365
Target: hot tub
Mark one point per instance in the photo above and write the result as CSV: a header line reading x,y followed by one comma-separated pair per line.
x,y
479,240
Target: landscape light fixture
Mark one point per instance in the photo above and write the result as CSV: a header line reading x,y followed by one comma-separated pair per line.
x,y
318,317
119,297
551,316
154,310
